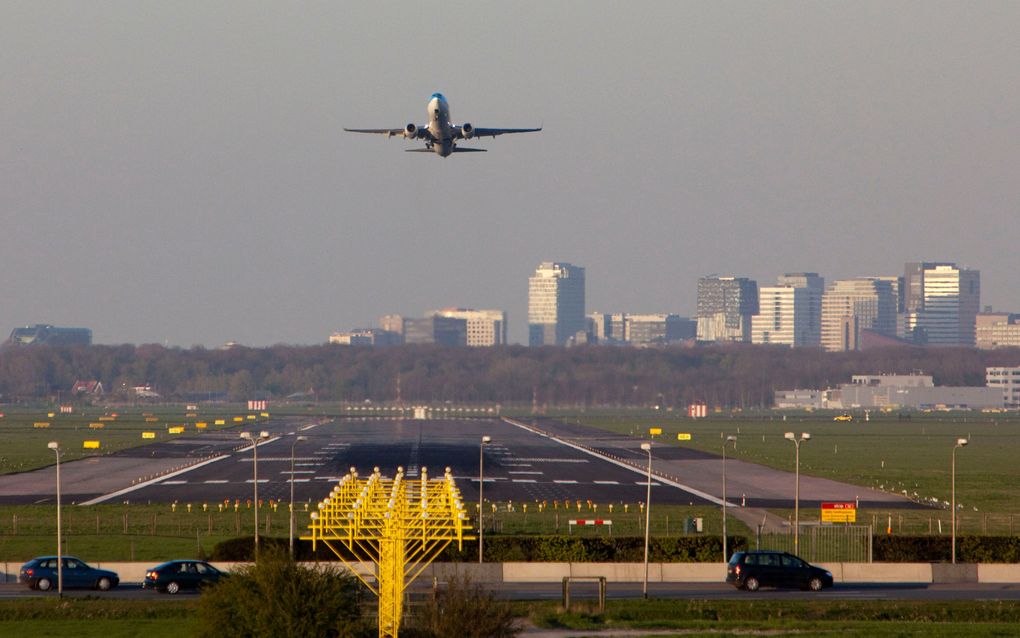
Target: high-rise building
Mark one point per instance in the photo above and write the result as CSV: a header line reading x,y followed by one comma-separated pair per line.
x,y
445,331
725,308
997,330
605,327
658,328
484,327
555,304
852,305
790,312
941,303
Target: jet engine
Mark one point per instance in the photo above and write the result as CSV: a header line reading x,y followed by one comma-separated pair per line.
x,y
467,130
411,131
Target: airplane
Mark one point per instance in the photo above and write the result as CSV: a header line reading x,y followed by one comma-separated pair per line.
x,y
440,135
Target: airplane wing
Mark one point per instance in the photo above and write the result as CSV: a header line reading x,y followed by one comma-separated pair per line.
x,y
407,131
493,132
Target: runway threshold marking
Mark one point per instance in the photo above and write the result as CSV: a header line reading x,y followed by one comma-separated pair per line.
x,y
138,486
636,470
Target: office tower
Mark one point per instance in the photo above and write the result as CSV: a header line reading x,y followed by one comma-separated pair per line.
x,y
484,327
808,320
997,330
659,328
941,303
852,305
445,331
790,312
725,308
604,327
555,304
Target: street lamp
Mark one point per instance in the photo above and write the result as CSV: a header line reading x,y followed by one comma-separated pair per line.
x,y
53,445
255,440
959,443
725,553
299,438
481,501
804,436
647,447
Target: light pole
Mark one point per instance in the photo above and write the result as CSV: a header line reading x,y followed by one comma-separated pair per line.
x,y
53,445
299,438
804,436
255,440
481,501
725,553
959,443
647,447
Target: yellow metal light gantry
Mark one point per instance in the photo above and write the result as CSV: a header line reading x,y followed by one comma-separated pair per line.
x,y
398,525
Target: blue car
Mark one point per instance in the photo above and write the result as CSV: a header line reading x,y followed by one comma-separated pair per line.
x,y
41,573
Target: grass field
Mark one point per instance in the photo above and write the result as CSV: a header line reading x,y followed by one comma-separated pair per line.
x,y
105,618
26,432
907,457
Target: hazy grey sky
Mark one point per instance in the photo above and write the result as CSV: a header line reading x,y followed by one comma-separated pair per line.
x,y
176,171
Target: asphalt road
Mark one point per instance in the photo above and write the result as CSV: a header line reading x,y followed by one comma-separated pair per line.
x,y
543,460
625,591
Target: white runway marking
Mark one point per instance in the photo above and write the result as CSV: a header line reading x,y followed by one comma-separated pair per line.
x,y
174,483
607,482
565,482
216,481
524,481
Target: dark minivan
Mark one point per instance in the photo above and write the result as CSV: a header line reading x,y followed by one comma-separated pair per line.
x,y
753,569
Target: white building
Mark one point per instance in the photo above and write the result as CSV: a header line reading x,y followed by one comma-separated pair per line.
x,y
555,304
484,327
852,305
1007,380
997,330
790,313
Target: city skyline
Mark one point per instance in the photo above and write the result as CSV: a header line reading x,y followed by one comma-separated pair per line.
x,y
178,173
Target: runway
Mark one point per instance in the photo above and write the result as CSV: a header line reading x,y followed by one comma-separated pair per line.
x,y
529,461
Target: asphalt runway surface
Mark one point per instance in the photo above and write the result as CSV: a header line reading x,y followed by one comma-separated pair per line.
x,y
540,460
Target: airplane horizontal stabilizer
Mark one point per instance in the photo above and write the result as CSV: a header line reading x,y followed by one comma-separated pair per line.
x,y
457,149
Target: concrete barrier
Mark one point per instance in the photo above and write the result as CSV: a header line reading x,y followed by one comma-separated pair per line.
x,y
994,573
693,572
535,572
885,573
923,573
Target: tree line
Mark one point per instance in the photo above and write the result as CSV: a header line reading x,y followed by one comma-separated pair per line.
x,y
737,375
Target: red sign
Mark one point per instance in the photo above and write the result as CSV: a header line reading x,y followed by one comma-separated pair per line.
x,y
838,506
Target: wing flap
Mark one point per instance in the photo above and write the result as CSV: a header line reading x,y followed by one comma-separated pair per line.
x,y
493,132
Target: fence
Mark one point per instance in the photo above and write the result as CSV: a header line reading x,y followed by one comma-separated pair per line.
x,y
823,543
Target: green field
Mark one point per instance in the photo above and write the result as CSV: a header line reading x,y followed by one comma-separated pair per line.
x,y
906,457
93,617
26,432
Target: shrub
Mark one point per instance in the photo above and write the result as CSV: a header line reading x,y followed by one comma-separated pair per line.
x,y
277,597
465,610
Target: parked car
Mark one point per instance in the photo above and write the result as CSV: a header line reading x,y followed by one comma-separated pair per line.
x,y
173,576
753,569
41,573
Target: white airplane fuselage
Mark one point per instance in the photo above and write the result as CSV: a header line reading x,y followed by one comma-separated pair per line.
x,y
439,125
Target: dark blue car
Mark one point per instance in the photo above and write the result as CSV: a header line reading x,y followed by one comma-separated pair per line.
x,y
175,575
41,573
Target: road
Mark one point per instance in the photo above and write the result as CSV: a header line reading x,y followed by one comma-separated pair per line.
x,y
626,591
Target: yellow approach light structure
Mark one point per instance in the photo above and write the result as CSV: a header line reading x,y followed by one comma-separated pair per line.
x,y
399,525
